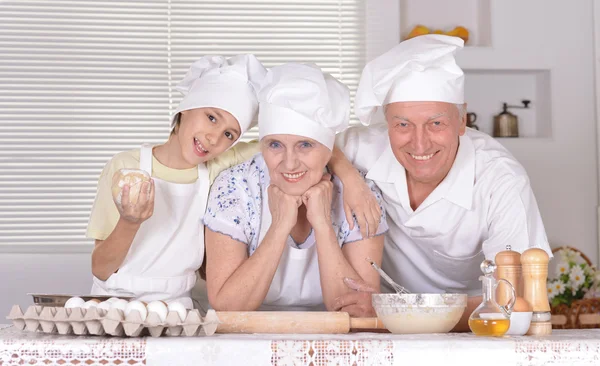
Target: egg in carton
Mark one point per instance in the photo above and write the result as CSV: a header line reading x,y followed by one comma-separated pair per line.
x,y
112,322
92,320
157,316
77,322
133,322
160,318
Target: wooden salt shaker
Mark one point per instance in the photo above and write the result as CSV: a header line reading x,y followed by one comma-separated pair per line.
x,y
509,268
534,264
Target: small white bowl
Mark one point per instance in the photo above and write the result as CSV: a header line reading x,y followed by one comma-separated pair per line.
x,y
519,323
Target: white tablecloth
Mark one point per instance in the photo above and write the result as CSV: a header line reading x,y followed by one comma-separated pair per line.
x,y
563,347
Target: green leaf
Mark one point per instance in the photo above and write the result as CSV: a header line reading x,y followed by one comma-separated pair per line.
x,y
556,301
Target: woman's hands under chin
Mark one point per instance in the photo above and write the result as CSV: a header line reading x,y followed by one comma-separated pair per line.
x,y
284,208
317,200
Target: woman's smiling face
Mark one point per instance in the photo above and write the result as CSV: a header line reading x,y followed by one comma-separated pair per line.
x,y
295,163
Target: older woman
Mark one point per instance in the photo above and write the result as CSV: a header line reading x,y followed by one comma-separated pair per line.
x,y
277,237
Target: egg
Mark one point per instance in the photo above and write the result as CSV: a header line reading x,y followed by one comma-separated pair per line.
x,y
139,306
179,309
160,308
74,302
91,304
120,304
113,299
104,305
522,305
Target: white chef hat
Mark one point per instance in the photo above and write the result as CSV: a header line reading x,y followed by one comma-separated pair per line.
x,y
421,69
228,84
299,99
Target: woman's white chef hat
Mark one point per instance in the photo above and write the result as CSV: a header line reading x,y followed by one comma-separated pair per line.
x,y
225,83
299,99
421,69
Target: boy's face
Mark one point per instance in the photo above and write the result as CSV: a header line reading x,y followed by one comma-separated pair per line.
x,y
204,133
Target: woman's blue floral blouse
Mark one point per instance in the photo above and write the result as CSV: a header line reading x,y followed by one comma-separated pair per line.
x,y
238,194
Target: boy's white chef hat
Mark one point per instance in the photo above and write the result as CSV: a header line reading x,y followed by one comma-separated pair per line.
x,y
421,69
299,99
225,83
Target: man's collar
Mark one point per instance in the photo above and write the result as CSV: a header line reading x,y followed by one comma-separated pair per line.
x,y
460,180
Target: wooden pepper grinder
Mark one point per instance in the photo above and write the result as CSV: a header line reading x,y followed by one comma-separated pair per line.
x,y
534,264
509,268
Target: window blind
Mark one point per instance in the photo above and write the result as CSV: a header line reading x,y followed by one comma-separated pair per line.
x,y
83,80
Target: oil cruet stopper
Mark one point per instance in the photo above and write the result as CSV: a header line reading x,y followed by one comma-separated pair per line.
x,y
491,319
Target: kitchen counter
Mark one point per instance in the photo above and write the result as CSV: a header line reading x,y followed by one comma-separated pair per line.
x,y
563,347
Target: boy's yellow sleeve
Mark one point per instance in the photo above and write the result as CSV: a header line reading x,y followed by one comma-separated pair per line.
x,y
241,152
104,215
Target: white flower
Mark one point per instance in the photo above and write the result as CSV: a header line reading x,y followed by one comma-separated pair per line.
x,y
562,268
569,255
562,253
559,287
551,290
597,276
577,277
589,271
576,257
291,352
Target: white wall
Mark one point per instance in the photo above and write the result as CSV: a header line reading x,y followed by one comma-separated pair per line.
x,y
549,43
558,36
550,35
50,273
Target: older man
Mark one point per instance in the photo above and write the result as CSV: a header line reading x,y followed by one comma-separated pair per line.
x,y
454,196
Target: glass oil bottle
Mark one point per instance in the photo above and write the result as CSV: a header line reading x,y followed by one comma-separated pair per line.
x,y
491,319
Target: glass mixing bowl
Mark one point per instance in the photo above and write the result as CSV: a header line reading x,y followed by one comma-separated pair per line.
x,y
419,313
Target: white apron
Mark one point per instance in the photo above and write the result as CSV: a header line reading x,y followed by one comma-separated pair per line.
x,y
439,246
168,248
296,285
436,248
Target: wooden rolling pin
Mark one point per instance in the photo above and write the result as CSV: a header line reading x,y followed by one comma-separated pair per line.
x,y
299,322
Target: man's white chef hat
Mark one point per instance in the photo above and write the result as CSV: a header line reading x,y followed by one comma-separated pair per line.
x,y
421,69
228,84
299,99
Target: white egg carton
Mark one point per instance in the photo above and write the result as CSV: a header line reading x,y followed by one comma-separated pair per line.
x,y
93,321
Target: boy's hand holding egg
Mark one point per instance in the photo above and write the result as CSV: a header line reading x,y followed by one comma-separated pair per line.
x,y
133,194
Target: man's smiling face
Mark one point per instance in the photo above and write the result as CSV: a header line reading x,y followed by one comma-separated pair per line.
x,y
424,137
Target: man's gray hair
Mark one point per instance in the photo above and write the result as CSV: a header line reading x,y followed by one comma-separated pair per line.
x,y
461,110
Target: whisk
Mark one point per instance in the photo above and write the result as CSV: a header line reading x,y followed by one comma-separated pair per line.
x,y
399,289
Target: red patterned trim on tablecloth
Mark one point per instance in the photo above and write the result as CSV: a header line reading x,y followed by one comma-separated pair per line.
x,y
328,352
546,351
106,352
